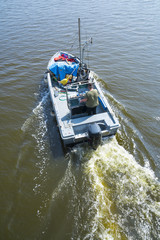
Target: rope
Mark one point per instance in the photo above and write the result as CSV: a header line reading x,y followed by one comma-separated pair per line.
x,y
62,98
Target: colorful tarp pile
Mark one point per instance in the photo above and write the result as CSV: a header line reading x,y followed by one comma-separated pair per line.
x,y
64,65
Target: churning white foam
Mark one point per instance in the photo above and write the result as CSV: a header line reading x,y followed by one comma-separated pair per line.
x,y
127,194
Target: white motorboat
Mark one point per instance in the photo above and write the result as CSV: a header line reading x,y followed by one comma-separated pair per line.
x,y
68,78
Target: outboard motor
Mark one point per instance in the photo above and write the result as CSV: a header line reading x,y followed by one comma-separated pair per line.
x,y
95,135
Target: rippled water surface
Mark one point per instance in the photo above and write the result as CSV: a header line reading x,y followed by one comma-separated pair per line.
x,y
110,193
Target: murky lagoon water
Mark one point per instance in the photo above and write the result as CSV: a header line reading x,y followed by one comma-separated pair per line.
x,y
110,193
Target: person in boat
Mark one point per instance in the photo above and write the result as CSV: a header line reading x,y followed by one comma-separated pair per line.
x,y
91,99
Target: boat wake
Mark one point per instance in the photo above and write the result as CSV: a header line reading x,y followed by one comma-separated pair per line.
x,y
35,128
37,112
108,195
126,195
36,142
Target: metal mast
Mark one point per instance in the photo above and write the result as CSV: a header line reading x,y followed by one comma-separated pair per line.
x,y
79,39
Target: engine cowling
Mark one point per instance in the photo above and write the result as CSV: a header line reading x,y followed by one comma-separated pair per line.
x,y
95,136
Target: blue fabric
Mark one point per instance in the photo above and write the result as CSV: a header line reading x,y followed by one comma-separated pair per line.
x,y
60,69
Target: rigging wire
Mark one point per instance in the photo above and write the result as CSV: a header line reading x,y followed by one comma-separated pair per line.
x,y
76,47
87,50
74,40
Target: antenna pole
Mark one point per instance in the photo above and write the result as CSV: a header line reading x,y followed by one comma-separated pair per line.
x,y
79,39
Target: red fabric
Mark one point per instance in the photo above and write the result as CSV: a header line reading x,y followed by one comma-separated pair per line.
x,y
70,59
59,58
64,57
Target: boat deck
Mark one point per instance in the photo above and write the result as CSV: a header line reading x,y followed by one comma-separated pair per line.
x,y
72,118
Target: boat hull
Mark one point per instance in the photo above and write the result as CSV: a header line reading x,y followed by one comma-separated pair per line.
x,y
72,120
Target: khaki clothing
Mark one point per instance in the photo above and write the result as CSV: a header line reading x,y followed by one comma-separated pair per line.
x,y
92,98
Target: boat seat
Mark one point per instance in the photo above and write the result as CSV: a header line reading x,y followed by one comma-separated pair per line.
x,y
101,117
